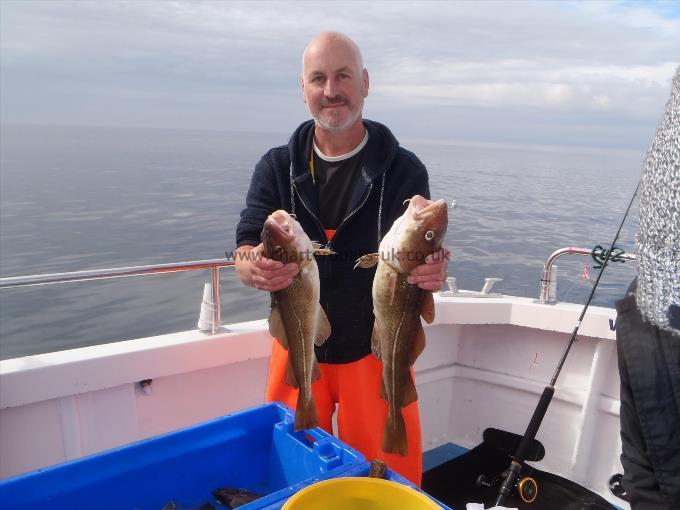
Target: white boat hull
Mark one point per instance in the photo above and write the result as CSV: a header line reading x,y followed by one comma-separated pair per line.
x,y
485,365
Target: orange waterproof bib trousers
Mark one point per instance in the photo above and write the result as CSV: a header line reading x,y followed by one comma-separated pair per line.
x,y
362,414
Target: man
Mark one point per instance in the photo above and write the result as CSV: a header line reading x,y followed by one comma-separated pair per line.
x,y
346,180
648,330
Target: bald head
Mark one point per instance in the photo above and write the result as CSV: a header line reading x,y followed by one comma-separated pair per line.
x,y
329,41
334,83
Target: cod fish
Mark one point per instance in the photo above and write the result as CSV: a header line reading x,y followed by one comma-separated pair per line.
x,y
234,498
297,319
398,336
173,506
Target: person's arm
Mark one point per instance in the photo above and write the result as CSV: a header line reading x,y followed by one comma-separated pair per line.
x,y
262,199
432,274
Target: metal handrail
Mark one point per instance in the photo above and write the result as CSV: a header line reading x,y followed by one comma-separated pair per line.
x,y
123,272
548,293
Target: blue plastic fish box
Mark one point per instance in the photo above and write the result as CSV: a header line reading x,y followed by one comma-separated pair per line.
x,y
255,449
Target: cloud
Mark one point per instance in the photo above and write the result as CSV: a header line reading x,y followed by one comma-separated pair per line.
x,y
227,64
505,84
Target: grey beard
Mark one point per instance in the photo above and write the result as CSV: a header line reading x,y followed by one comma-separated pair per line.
x,y
349,121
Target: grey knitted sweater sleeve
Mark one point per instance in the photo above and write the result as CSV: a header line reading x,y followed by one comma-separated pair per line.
x,y
658,237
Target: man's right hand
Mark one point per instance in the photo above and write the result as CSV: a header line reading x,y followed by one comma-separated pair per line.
x,y
262,273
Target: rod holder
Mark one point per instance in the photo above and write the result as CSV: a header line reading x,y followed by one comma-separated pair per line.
x,y
489,283
209,319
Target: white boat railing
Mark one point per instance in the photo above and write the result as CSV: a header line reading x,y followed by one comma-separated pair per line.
x,y
124,272
548,295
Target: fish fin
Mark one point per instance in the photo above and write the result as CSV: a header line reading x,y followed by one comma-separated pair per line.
x,y
394,438
276,328
418,343
323,327
427,307
409,393
383,390
367,261
291,379
375,341
309,278
316,371
392,284
378,469
305,412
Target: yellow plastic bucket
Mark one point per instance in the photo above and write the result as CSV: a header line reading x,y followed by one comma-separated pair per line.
x,y
359,494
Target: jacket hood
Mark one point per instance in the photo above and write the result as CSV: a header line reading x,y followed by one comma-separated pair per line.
x,y
381,150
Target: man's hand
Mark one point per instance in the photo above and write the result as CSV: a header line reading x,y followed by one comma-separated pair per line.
x,y
262,273
432,274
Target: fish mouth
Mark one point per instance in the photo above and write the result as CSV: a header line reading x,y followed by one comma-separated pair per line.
x,y
426,210
278,229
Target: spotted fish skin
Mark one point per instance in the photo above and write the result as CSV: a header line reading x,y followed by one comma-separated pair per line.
x,y
297,320
398,336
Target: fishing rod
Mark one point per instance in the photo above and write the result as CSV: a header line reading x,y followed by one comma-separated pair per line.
x,y
513,473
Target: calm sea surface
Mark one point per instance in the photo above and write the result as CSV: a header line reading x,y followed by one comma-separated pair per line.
x,y
91,198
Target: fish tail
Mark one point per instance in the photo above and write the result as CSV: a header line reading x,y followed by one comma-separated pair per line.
x,y
394,436
305,412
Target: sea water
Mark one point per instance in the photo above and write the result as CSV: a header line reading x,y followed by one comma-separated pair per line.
x,y
77,198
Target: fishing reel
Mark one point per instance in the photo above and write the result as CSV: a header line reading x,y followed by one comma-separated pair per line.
x,y
526,488
504,442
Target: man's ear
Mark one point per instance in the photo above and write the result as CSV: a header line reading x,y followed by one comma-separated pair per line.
x,y
302,88
364,77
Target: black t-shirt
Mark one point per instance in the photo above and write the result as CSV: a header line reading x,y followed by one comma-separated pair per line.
x,y
335,180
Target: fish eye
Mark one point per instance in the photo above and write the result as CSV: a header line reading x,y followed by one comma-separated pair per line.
x,y
429,235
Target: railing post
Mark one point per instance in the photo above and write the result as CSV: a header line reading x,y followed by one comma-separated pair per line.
x,y
215,274
548,294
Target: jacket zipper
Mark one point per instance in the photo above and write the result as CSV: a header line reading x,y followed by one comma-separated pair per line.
x,y
318,222
368,192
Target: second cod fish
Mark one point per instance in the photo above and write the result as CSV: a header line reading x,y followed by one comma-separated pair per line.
x,y
234,498
297,319
398,336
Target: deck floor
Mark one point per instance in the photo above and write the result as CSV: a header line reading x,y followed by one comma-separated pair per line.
x,y
449,475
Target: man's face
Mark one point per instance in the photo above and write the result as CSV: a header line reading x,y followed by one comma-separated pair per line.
x,y
333,84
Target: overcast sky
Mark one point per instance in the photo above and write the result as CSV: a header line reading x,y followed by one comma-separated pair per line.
x,y
578,73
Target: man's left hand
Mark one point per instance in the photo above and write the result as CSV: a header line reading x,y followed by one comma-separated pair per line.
x,y
432,274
